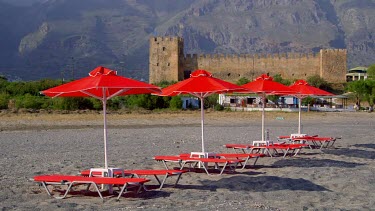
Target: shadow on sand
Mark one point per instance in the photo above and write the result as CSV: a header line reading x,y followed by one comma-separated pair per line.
x,y
358,153
314,162
256,184
370,146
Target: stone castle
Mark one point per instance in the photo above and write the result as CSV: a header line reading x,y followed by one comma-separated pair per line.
x,y
168,62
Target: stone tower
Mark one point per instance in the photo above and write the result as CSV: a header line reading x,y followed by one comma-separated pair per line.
x,y
333,65
165,59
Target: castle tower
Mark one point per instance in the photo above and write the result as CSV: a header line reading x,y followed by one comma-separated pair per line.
x,y
333,65
165,59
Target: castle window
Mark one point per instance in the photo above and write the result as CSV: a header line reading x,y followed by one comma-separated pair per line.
x,y
163,48
169,64
157,64
228,74
155,39
293,74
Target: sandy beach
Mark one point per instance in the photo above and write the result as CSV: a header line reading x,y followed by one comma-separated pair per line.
x,y
341,178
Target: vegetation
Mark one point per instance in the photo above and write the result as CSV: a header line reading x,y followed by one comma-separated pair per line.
x,y
242,81
279,79
363,91
16,95
371,72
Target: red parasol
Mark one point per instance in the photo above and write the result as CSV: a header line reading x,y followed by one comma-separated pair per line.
x,y
201,84
304,90
103,84
264,85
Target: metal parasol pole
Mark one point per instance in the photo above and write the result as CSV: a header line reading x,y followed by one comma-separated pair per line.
x,y
105,127
263,102
202,122
299,115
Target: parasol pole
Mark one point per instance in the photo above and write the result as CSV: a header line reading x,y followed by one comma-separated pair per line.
x,y
263,102
202,122
299,114
105,127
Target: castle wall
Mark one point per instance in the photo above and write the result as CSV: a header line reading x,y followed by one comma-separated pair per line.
x,y
329,64
233,67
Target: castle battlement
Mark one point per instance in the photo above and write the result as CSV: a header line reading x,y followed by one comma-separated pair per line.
x,y
162,39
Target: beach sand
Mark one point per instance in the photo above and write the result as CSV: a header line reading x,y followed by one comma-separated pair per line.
x,y
341,178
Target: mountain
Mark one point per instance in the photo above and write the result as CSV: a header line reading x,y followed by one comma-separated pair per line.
x,y
68,38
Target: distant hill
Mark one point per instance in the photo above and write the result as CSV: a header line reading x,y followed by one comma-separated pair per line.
x,y
68,38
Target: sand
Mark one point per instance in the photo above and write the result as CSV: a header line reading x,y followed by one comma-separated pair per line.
x,y
341,178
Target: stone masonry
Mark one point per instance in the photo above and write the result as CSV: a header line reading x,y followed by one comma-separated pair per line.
x,y
168,62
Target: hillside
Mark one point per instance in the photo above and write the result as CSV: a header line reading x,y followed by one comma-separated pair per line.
x,y
67,38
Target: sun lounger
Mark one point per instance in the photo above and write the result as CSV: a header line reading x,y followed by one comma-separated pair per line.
x,y
69,180
291,137
195,161
272,150
245,148
316,141
283,149
144,172
246,156
169,158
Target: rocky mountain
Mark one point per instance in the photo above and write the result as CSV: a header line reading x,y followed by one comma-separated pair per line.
x,y
68,38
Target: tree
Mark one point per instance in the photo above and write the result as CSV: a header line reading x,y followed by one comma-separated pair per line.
x,y
371,72
358,88
369,95
242,81
318,82
279,79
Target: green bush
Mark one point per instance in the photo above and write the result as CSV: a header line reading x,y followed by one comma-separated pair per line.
x,y
219,107
71,103
4,100
175,103
211,101
28,101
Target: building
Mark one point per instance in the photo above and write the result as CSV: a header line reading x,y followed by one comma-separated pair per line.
x,y
168,62
356,74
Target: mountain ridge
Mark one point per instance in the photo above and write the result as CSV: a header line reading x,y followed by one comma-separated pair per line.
x,y
67,38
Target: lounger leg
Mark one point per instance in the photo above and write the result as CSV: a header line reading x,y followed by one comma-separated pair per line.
x,y
88,187
140,188
333,141
157,179
286,152
122,191
222,170
182,165
204,167
165,164
256,159
97,190
66,192
269,152
45,187
162,183
297,151
244,165
178,179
